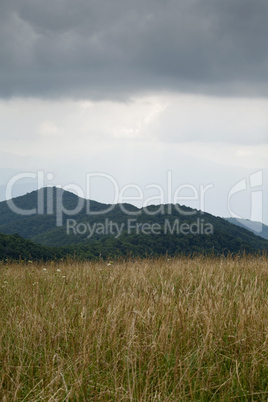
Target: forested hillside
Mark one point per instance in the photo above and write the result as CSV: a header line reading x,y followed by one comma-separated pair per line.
x,y
91,231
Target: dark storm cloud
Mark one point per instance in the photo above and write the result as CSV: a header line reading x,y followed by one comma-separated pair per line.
x,y
116,48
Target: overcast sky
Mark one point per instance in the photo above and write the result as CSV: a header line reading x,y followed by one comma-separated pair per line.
x,y
139,90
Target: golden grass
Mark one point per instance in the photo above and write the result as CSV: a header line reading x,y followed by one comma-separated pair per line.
x,y
148,330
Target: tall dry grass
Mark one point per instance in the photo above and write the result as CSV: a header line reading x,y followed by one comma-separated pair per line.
x,y
149,330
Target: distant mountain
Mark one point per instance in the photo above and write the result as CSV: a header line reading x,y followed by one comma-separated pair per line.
x,y
58,218
250,225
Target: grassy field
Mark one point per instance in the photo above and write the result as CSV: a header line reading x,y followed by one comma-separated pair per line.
x,y
149,330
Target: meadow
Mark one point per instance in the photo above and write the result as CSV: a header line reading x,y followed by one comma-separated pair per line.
x,y
143,330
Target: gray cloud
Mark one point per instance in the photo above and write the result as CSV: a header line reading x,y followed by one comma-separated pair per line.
x,y
117,48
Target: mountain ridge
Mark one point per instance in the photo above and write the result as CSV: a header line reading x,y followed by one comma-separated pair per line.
x,y
94,230
252,226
